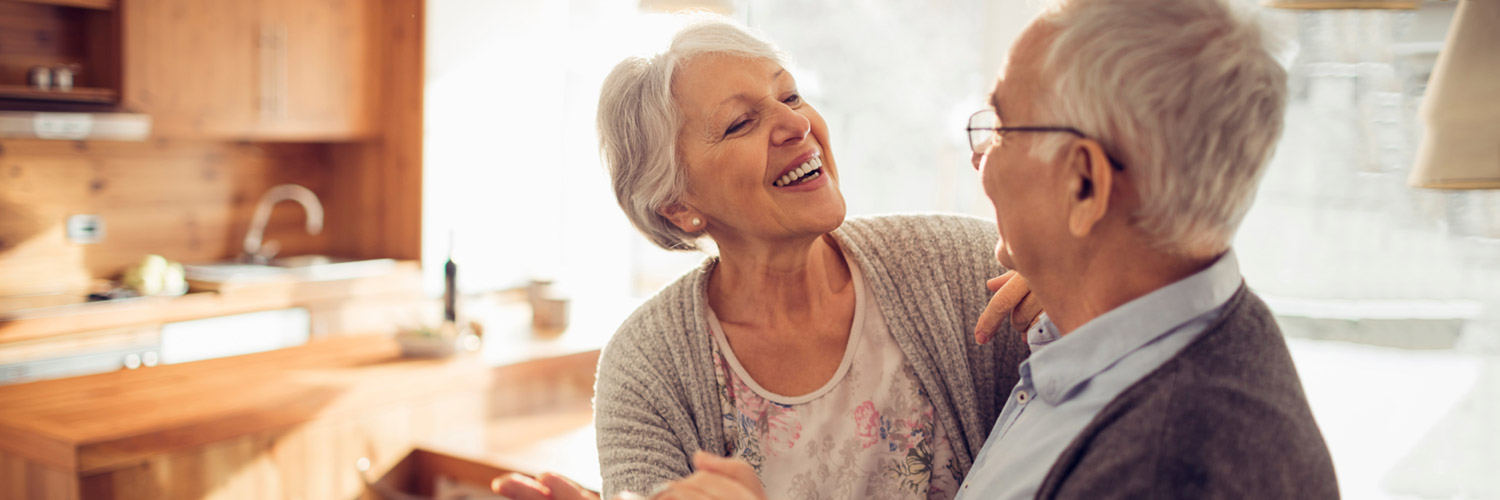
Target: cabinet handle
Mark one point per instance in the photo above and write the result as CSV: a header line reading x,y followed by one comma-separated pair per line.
x,y
273,71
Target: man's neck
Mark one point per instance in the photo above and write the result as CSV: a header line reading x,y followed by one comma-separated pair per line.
x,y
1108,280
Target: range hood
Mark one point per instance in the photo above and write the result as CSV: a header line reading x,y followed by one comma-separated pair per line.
x,y
74,126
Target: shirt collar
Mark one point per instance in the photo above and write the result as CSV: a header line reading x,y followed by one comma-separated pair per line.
x,y
1060,365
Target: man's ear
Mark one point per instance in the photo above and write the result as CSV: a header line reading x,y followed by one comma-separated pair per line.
x,y
684,217
1089,186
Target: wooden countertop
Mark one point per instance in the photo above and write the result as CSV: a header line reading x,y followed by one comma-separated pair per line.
x,y
100,422
31,323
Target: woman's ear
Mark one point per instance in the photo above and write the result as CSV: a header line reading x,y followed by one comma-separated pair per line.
x,y
685,218
1090,186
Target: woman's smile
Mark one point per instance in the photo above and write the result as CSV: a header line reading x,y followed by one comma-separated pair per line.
x,y
803,174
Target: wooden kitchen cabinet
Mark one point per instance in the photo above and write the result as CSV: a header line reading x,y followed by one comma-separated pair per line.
x,y
190,65
318,59
294,70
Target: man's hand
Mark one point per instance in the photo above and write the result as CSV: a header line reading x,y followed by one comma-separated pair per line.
x,y
1012,300
717,479
546,486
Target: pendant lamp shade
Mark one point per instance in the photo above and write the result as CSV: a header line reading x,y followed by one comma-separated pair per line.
x,y
1461,109
718,6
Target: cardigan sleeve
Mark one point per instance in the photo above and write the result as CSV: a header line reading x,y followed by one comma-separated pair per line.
x,y
638,449
998,373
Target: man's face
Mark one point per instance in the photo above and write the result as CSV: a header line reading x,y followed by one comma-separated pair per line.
x,y
1030,215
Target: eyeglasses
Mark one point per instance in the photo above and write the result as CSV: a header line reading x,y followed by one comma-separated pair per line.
x,y
985,128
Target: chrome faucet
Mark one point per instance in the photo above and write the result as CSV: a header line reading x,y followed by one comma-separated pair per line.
x,y
258,253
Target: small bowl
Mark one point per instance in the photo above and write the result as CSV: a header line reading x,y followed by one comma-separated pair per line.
x,y
419,344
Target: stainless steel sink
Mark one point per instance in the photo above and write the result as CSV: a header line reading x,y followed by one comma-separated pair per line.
x,y
300,268
256,262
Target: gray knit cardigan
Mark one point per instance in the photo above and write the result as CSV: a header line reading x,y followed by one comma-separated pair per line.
x,y
656,399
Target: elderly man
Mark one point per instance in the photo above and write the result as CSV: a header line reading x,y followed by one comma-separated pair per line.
x,y
1122,149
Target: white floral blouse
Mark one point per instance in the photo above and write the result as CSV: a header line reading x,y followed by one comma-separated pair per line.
x,y
869,433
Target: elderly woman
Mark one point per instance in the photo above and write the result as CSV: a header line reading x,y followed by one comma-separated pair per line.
x,y
833,355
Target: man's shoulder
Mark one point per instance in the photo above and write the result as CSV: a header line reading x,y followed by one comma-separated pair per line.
x,y
1239,371
1226,417
1243,352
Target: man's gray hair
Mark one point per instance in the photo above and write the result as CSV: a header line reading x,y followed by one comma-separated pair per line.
x,y
1185,93
639,122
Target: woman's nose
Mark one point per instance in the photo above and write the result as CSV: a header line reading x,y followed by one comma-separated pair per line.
x,y
791,126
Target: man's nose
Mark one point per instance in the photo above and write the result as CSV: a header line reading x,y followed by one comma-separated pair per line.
x,y
977,159
790,126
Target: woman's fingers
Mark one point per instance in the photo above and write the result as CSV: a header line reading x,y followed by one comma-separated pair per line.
x,y
519,487
1011,291
565,489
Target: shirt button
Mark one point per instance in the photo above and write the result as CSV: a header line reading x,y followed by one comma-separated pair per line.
x,y
1022,396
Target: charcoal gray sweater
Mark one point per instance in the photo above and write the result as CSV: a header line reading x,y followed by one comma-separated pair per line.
x,y
1224,418
656,397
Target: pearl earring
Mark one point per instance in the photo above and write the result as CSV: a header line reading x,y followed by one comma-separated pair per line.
x,y
697,222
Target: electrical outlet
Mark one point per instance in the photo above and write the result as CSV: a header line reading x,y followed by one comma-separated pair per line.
x,y
85,229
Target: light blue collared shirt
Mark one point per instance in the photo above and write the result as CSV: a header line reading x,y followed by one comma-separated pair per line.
x,y
1068,380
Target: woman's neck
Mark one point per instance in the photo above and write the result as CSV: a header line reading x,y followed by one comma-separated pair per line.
x,y
776,286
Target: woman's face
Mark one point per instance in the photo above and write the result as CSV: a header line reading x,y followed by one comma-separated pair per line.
x,y
758,164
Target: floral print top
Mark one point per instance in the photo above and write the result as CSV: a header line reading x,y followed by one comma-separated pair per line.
x,y
869,433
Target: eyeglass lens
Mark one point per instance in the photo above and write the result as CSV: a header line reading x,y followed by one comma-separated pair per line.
x,y
982,127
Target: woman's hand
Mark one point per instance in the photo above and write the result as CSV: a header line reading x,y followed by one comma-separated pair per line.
x,y
546,486
1012,300
717,479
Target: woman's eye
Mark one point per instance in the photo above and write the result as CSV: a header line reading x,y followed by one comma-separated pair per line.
x,y
739,125
793,100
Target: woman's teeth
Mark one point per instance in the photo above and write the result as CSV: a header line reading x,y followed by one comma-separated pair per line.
x,y
809,170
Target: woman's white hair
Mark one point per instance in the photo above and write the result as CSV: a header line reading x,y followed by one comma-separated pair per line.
x,y
639,121
1185,93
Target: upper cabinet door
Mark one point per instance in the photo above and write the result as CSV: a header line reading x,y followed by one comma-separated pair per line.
x,y
190,65
314,65
285,70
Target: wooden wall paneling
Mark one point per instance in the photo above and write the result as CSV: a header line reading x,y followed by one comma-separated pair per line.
x,y
188,201
402,117
381,209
